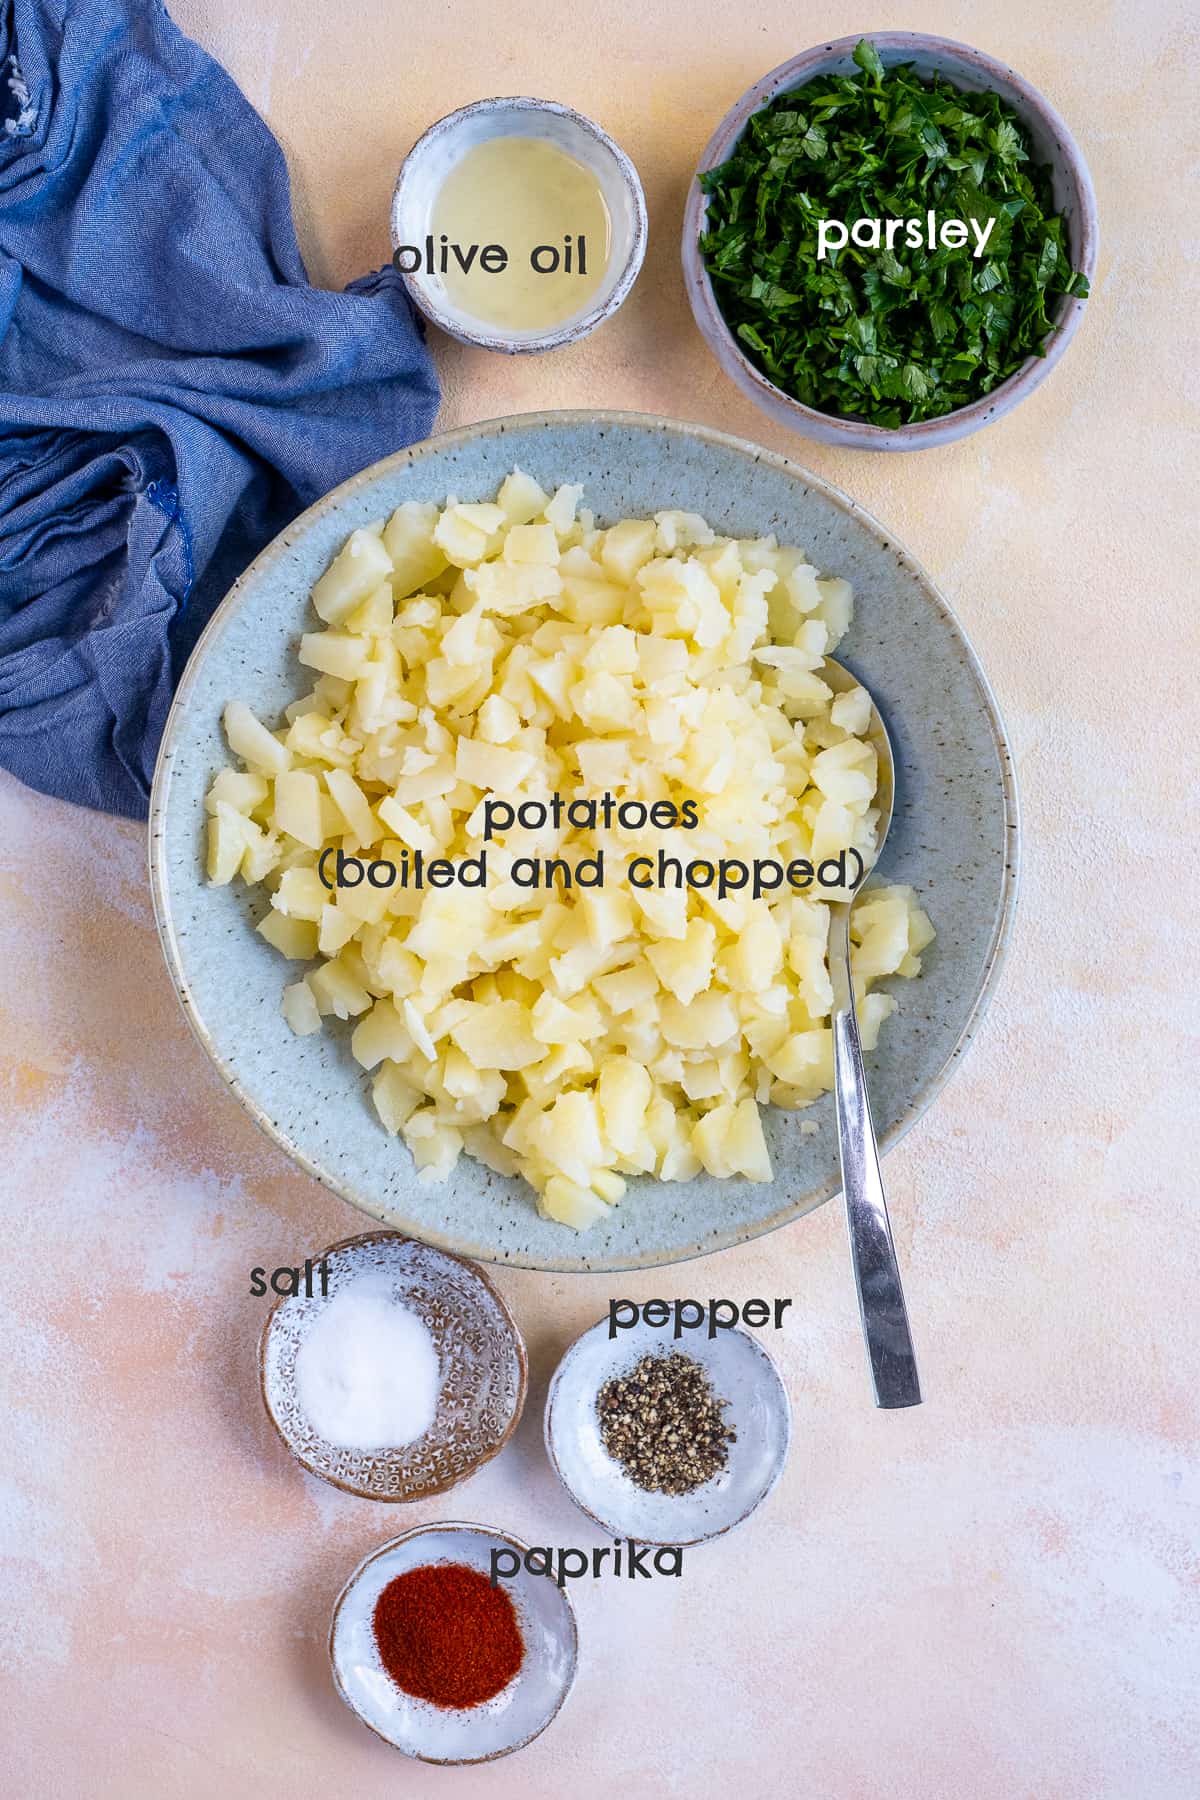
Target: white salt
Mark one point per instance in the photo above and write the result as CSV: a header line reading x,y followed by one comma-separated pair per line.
x,y
367,1373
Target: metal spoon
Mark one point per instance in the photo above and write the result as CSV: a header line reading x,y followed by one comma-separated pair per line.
x,y
880,1296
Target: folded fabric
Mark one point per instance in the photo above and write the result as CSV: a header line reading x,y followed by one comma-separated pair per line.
x,y
172,389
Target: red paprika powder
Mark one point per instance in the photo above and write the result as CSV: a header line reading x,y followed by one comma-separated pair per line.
x,y
446,1635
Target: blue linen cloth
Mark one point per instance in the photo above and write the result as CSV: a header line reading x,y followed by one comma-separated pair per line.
x,y
172,389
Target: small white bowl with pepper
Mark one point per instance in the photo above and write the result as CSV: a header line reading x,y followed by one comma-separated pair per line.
x,y
663,1444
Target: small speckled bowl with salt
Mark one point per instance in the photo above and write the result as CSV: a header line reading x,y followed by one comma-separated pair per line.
x,y
481,1360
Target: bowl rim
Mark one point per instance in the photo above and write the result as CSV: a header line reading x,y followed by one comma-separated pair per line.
x,y
1003,921
571,330
771,1371
834,428
415,1531
431,1489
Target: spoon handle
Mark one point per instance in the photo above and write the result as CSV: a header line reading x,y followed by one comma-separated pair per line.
x,y
880,1295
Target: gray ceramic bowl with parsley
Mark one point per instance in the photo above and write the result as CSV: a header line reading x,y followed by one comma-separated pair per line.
x,y
871,348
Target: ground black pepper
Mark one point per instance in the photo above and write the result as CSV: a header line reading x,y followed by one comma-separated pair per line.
x,y
662,1423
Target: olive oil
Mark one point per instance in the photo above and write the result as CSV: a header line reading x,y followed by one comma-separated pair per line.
x,y
522,234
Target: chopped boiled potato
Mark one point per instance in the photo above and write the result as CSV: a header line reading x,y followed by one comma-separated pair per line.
x,y
293,938
298,807
353,805
300,894
228,841
464,533
584,1031
242,792
521,498
531,544
356,571
300,1009
568,1203
249,738
498,1036
852,710
339,653
685,968
408,540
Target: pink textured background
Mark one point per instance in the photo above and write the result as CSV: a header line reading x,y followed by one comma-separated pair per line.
x,y
996,1595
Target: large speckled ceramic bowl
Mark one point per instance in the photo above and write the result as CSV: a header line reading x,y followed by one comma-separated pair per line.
x,y
1053,144
481,1363
953,837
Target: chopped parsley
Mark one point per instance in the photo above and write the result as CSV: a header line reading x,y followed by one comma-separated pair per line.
x,y
889,335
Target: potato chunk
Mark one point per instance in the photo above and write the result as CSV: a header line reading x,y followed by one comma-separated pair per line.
x,y
356,570
248,738
499,1036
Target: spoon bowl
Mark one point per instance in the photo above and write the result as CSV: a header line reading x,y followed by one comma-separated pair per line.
x,y
837,676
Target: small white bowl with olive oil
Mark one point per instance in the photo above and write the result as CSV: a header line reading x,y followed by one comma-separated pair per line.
x,y
518,225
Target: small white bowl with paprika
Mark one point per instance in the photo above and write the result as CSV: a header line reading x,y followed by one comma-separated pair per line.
x,y
421,1627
